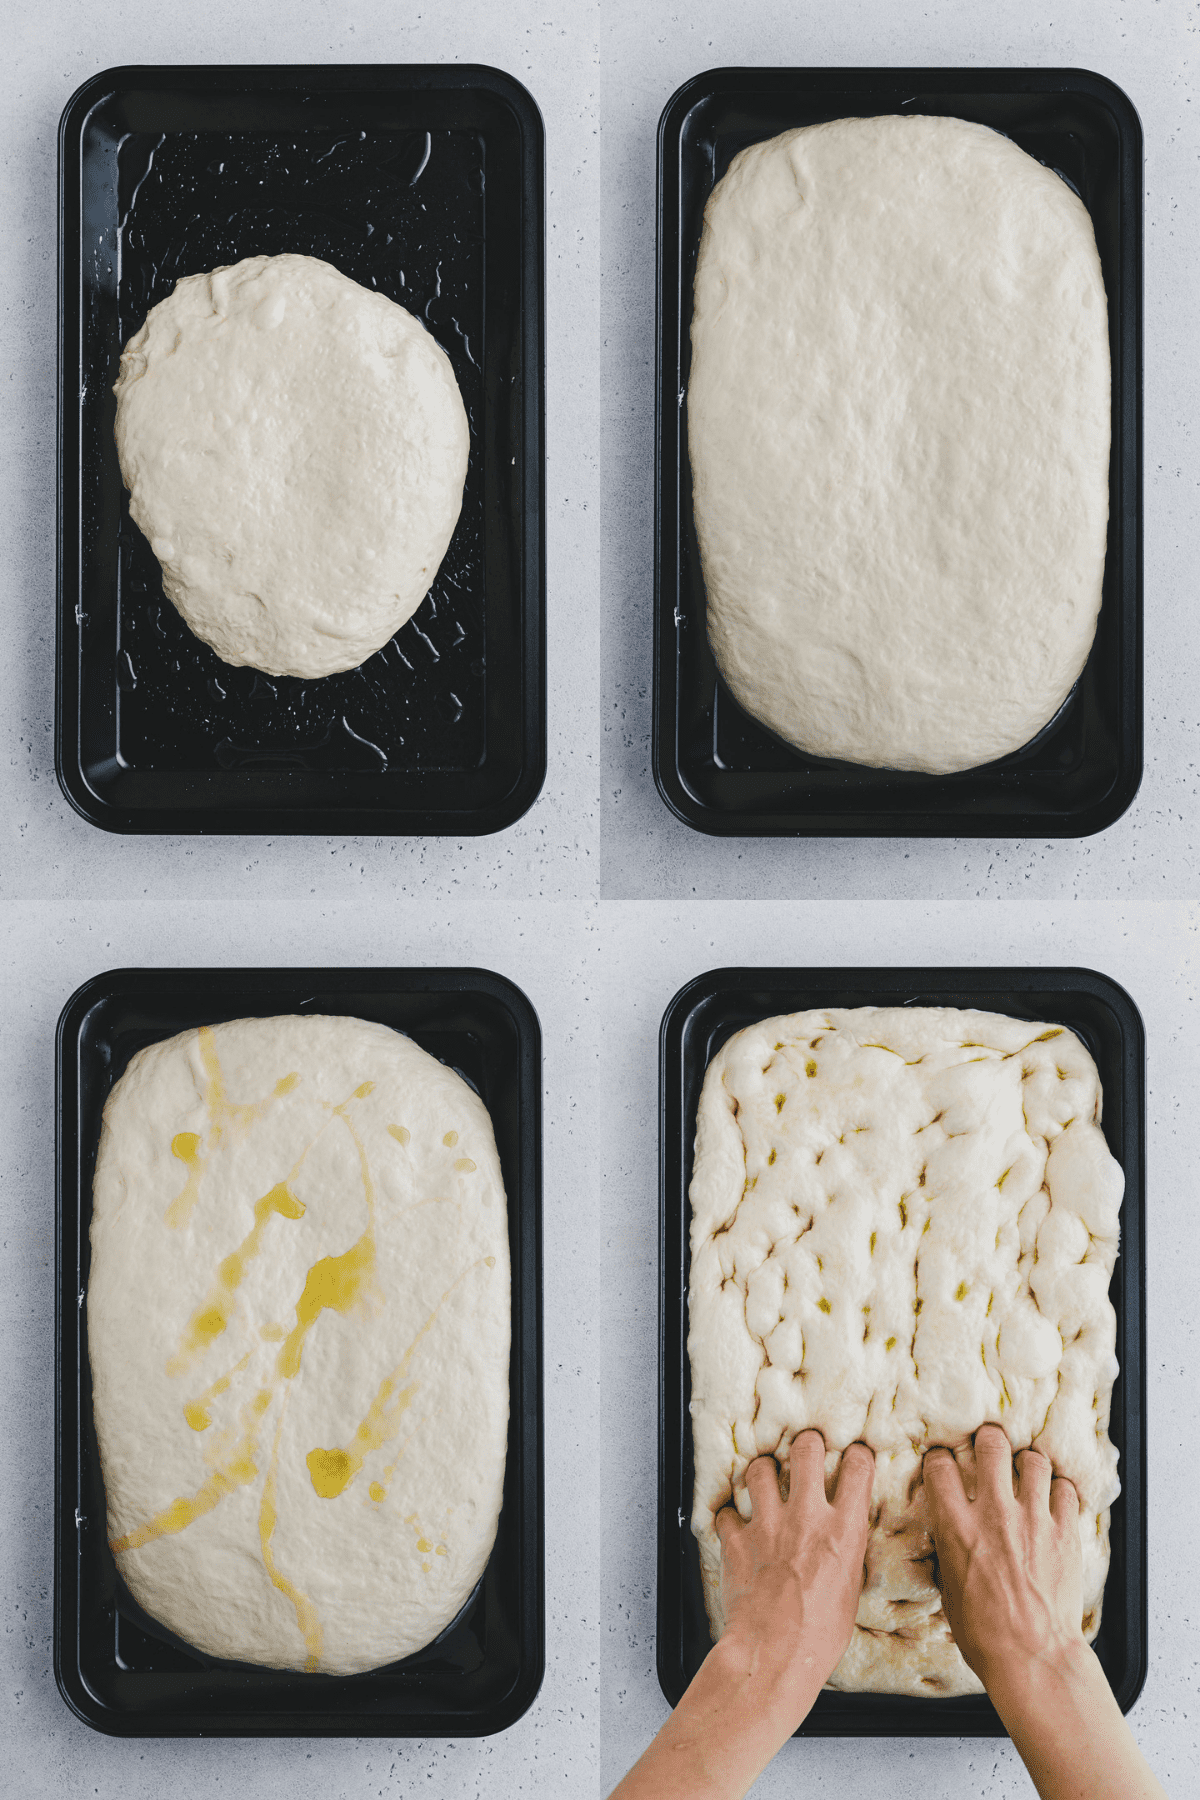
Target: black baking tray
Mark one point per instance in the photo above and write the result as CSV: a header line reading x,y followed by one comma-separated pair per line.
x,y
119,1670
717,768
700,1018
426,183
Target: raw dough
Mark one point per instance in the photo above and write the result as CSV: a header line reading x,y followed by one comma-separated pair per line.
x,y
898,421
298,1317
904,1222
295,448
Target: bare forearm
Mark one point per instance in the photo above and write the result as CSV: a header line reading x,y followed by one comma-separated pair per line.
x,y
743,1704
1072,1738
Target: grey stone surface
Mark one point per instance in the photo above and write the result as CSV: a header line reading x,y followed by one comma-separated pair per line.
x,y
598,903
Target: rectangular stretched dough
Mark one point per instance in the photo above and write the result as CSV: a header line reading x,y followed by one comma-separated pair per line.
x,y
904,1222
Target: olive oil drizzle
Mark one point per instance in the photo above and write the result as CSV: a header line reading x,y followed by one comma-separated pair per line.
x,y
222,1112
332,1471
378,1490
334,1283
185,1145
214,1312
237,1470
307,1617
196,1411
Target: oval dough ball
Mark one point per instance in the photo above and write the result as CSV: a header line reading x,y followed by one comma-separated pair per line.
x,y
298,1319
295,448
898,423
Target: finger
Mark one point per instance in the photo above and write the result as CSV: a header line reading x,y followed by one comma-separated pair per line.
x,y
1033,1479
726,1524
762,1485
806,1462
993,1465
1064,1501
855,1479
945,1496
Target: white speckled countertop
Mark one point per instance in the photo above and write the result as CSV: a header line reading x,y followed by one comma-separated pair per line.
x,y
598,902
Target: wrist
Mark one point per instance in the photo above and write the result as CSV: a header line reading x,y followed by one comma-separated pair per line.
x,y
783,1662
1025,1685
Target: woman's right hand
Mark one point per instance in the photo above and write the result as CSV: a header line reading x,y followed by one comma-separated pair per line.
x,y
1010,1563
1011,1578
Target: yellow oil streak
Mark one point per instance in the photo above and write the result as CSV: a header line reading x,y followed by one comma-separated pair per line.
x,y
237,1470
425,1546
306,1613
213,1314
186,1145
335,1282
332,1471
197,1412
450,1139
378,1490
401,1133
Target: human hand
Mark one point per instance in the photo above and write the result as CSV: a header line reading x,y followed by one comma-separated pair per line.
x,y
792,1573
1012,1586
1010,1563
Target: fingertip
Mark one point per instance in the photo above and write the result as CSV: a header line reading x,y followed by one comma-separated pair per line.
x,y
806,1464
855,1477
857,1465
1064,1500
1034,1473
808,1442
762,1469
942,1480
994,1480
938,1461
725,1521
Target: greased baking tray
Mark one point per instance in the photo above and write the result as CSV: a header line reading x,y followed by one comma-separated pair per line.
x,y
119,1670
718,769
427,184
700,1018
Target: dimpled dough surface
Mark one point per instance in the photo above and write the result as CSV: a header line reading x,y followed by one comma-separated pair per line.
x,y
898,424
298,1318
903,1226
295,448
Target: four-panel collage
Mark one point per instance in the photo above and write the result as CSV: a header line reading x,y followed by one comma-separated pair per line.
x,y
594,985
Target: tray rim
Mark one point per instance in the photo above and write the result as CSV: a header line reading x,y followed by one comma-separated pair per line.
x,y
527,1304
674,1137
327,819
669,267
